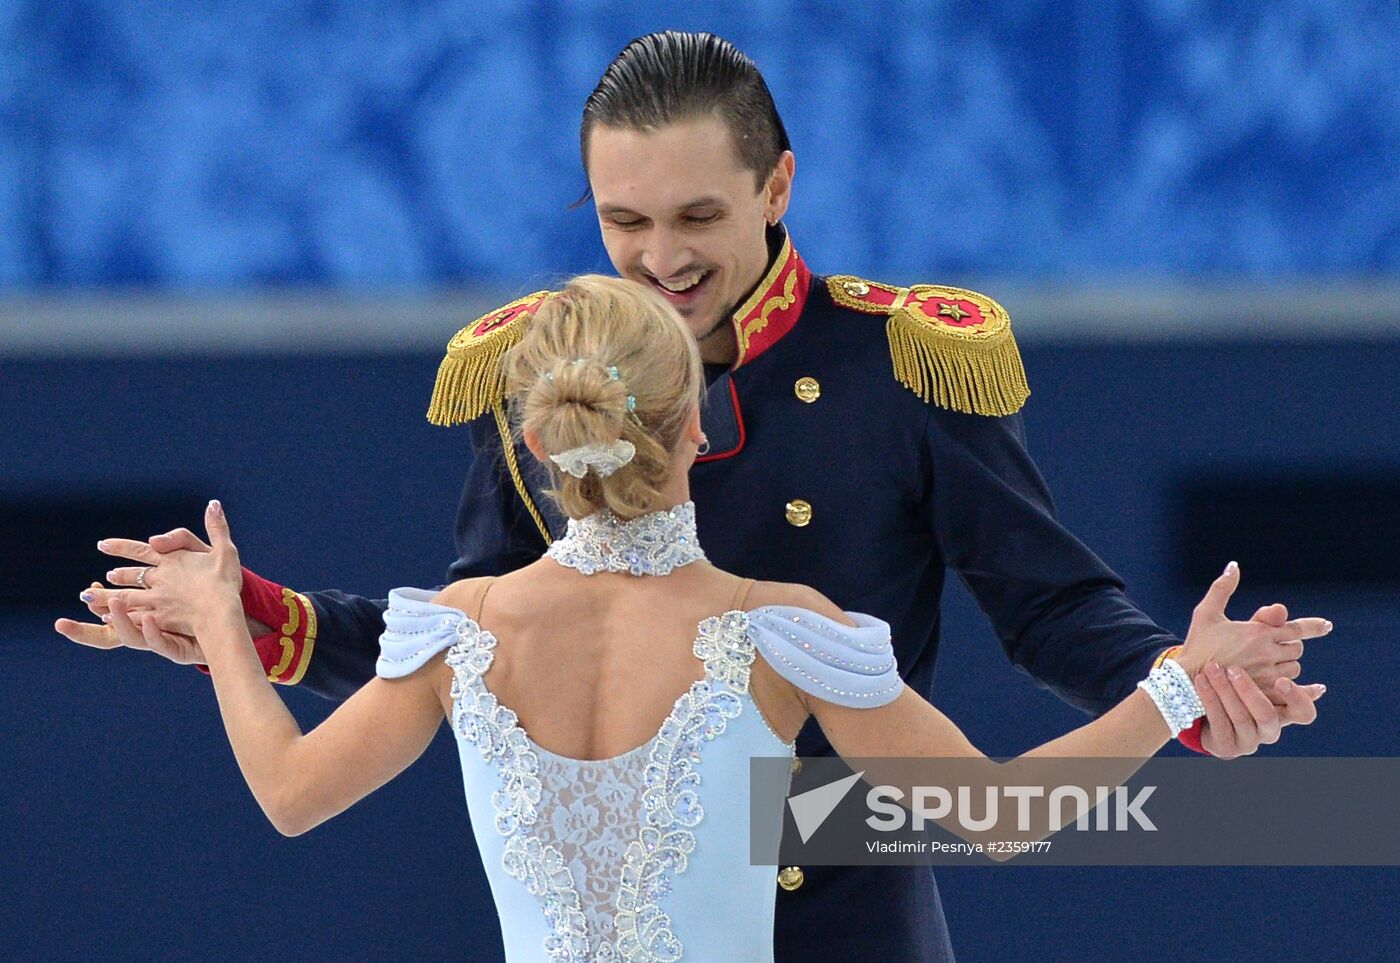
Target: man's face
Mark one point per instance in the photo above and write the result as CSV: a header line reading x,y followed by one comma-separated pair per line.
x,y
678,212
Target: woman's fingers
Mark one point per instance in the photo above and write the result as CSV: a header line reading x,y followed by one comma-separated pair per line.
x,y
1297,629
1298,708
128,575
99,600
1275,614
1212,606
128,548
179,539
216,524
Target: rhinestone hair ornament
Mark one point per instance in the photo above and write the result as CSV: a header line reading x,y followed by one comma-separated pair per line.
x,y
604,458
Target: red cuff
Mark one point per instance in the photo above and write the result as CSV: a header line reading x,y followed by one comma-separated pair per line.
x,y
1191,738
286,650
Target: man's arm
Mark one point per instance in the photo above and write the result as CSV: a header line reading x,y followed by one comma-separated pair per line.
x,y
1059,611
328,641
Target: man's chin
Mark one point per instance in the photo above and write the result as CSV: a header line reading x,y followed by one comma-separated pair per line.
x,y
711,326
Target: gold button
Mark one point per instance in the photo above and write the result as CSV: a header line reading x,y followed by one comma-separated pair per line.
x,y
799,513
790,877
796,766
808,389
857,289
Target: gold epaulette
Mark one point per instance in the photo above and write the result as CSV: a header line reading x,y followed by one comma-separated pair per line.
x,y
950,346
471,379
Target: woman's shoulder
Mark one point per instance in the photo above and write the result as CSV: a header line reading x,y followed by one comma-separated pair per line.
x,y
795,595
462,594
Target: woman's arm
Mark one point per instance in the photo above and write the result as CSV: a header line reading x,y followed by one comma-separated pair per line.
x,y
1128,734
299,780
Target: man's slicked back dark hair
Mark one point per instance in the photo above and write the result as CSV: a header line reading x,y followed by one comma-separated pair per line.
x,y
667,77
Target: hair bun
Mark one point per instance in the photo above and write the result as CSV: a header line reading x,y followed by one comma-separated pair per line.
x,y
605,362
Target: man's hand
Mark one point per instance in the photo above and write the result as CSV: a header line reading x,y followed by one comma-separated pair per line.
x,y
1240,717
140,631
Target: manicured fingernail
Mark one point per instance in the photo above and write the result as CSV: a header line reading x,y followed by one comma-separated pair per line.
x,y
218,509
1214,669
1234,672
106,617
1231,567
1329,626
86,596
1321,689
112,576
102,546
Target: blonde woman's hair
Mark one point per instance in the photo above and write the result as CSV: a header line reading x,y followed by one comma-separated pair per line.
x,y
562,389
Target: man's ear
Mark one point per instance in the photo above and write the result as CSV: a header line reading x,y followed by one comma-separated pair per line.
x,y
779,188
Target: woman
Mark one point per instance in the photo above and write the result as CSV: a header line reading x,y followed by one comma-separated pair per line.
x,y
621,676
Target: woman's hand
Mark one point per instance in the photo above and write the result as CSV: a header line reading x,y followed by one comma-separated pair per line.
x,y
186,588
1265,652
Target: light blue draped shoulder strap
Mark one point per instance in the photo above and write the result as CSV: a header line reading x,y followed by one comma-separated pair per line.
x,y
849,666
415,630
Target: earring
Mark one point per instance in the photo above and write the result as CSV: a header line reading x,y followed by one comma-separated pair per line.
x,y
704,447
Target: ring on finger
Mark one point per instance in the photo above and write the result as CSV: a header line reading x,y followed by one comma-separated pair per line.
x,y
141,577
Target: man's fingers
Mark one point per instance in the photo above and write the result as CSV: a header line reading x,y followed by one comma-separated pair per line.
x,y
1275,614
1246,733
120,621
85,633
1296,629
128,548
155,640
1289,670
1212,606
179,539
1289,651
1261,710
1217,718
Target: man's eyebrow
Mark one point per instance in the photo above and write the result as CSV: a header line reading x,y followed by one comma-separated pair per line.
x,y
610,210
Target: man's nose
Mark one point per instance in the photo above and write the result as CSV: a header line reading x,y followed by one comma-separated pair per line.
x,y
665,254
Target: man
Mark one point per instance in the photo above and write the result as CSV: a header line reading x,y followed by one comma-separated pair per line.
x,y
826,466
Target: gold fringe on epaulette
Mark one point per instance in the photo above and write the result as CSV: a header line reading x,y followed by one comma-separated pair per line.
x,y
469,382
972,375
471,378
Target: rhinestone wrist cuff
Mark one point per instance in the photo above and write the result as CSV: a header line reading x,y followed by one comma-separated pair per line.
x,y
1175,696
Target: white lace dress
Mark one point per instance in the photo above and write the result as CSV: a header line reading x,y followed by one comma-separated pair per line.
x,y
637,857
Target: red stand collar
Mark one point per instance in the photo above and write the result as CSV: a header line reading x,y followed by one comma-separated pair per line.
x,y
775,305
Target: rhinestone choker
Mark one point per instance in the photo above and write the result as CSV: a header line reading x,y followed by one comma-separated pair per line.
x,y
651,544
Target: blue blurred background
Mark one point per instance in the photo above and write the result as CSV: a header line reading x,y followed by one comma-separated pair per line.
x,y
233,239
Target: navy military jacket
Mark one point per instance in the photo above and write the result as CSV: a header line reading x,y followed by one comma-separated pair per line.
x,y
852,483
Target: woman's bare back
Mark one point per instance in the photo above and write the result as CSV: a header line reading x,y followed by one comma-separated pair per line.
x,y
592,665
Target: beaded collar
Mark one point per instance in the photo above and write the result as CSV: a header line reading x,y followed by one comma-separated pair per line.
x,y
651,544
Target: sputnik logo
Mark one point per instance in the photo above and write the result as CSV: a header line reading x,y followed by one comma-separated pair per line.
x,y
810,809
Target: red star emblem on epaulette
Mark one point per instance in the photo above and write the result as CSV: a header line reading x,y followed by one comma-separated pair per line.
x,y
954,312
